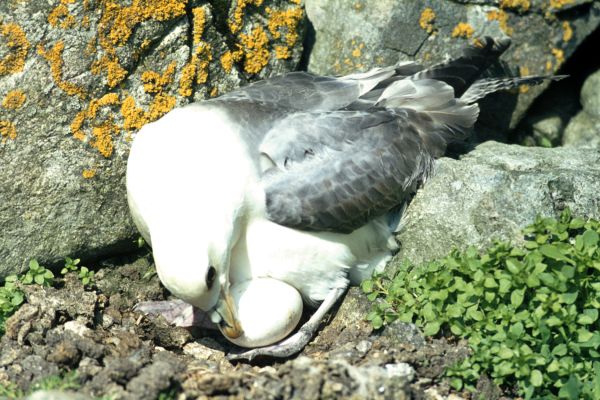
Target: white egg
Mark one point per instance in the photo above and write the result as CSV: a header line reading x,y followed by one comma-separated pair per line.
x,y
268,310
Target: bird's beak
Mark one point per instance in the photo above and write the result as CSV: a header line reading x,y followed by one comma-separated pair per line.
x,y
229,323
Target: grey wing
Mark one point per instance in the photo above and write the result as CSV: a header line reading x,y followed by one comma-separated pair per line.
x,y
308,92
335,171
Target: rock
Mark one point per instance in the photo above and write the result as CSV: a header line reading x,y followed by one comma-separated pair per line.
x,y
584,129
78,79
57,395
353,35
493,192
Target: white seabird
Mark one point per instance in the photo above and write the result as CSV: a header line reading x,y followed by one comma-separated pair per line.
x,y
299,178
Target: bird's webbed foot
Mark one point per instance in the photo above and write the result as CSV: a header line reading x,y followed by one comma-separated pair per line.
x,y
295,343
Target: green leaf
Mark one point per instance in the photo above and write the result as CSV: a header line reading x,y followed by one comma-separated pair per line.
x,y
536,378
367,286
588,317
514,265
571,389
569,298
576,223
551,251
39,279
431,328
516,298
33,264
590,238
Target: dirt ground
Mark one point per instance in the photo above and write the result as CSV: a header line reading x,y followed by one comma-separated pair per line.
x,y
121,354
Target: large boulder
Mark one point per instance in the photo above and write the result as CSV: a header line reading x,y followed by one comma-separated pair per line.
x,y
584,128
78,79
353,35
492,193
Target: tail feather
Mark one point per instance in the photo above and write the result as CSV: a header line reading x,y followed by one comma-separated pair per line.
x,y
483,87
460,73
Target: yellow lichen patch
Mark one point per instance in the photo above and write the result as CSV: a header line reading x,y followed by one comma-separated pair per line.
x,y
88,173
286,22
115,74
463,30
238,14
502,18
255,50
103,127
214,92
18,46
559,55
196,70
282,52
426,20
229,57
135,117
549,65
524,71
7,130
155,82
14,100
54,58
558,4
118,21
567,31
357,52
61,17
519,5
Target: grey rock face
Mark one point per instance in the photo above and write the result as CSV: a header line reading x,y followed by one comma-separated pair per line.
x,y
493,192
584,129
78,79
357,35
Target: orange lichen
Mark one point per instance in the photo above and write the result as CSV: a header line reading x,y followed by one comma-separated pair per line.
x,y
463,30
214,92
103,127
426,20
7,130
524,71
196,70
135,117
88,173
61,17
357,52
558,4
14,100
502,18
229,57
559,55
18,46
255,50
115,74
519,5
282,52
238,14
549,65
155,82
286,22
54,58
567,31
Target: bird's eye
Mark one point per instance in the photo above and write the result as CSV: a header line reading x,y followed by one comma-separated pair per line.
x,y
210,276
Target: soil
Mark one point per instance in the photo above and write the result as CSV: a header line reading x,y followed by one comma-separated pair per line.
x,y
121,354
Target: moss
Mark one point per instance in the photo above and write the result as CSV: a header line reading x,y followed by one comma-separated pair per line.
x,y
255,50
502,18
463,30
567,31
7,130
426,20
518,5
18,46
14,100
54,58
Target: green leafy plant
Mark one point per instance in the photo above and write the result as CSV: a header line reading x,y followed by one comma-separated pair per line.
x,y
10,299
85,275
37,274
530,313
64,381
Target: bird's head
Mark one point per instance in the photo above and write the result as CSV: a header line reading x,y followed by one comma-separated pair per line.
x,y
198,275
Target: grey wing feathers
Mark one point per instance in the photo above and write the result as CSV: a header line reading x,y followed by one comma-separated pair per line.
x,y
373,163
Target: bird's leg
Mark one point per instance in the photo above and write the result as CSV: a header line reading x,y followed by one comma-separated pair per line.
x,y
297,341
177,312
